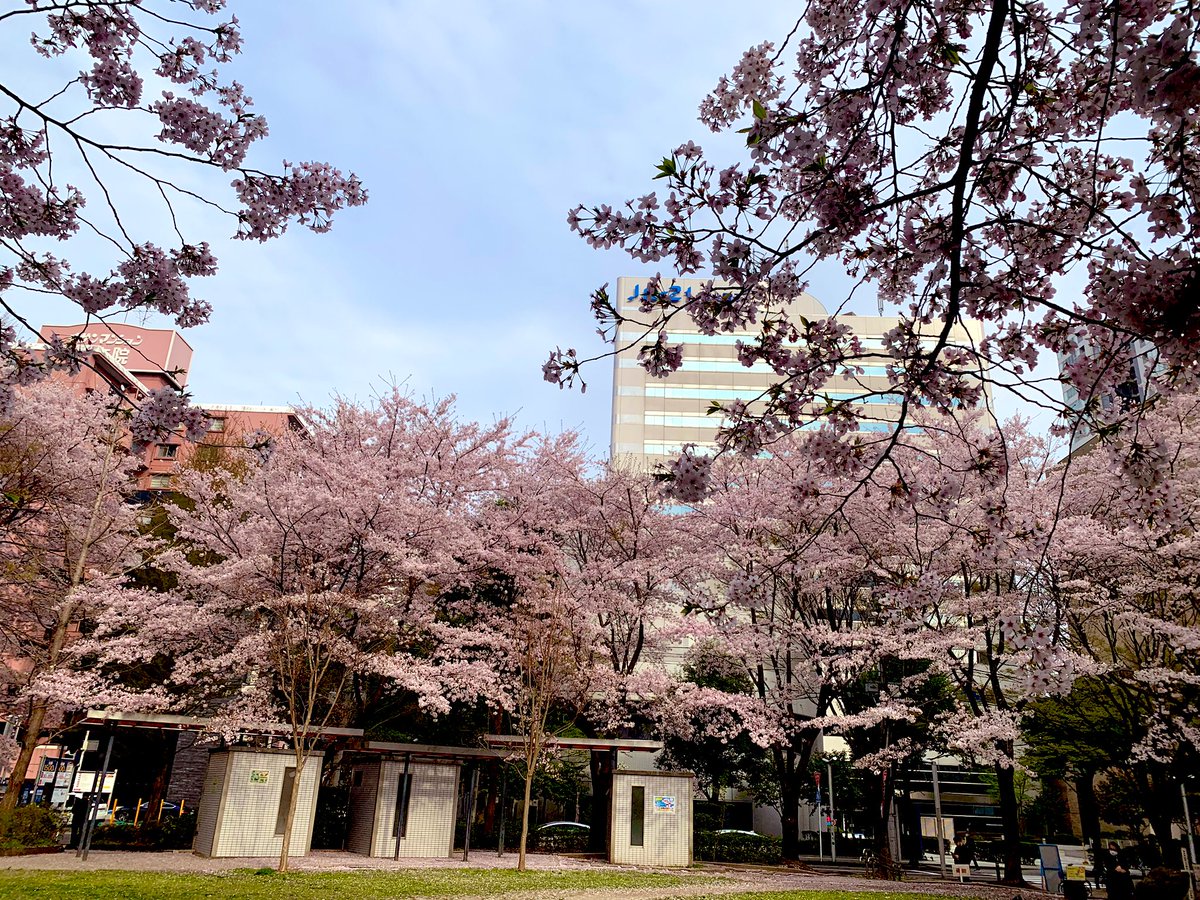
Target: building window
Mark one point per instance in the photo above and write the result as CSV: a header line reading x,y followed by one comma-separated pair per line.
x,y
206,453
216,424
285,799
166,451
637,817
160,482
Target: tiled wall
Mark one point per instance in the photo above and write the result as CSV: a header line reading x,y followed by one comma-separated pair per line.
x,y
667,835
250,786
188,770
431,808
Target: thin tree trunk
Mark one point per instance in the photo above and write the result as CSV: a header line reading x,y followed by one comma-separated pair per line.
x,y
291,813
525,818
29,739
58,640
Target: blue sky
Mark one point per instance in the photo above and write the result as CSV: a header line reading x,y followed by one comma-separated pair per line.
x,y
475,126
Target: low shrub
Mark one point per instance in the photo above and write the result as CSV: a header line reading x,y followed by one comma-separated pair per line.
x,y
170,833
560,839
761,849
27,827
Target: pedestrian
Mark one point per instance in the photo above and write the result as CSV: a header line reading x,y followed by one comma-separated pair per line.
x,y
969,851
1120,883
80,804
1105,859
960,851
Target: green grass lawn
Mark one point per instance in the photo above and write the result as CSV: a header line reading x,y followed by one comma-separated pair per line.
x,y
31,883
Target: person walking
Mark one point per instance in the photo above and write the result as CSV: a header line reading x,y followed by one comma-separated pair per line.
x,y
960,850
1120,882
80,803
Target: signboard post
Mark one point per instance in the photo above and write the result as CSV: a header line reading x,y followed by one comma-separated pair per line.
x,y
1051,866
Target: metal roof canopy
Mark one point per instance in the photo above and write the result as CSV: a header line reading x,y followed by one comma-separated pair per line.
x,y
433,751
573,743
170,722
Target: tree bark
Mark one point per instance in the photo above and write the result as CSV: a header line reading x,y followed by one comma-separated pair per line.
x,y
525,818
1089,812
29,739
1010,822
158,787
285,850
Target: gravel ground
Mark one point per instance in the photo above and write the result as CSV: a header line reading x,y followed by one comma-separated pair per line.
x,y
738,878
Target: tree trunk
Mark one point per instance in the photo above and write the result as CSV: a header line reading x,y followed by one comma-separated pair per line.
x,y
158,786
525,818
37,712
29,739
600,764
285,850
1162,807
1089,812
489,809
1009,819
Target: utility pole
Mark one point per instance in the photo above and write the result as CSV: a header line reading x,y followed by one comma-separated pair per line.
x,y
832,815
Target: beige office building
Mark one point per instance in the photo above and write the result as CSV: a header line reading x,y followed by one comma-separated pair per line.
x,y
653,418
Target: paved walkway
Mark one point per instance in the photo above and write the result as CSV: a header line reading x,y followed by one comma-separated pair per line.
x,y
735,878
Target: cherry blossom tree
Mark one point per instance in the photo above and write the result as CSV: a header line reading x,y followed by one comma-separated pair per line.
x,y
1125,568
148,106
67,536
313,565
788,599
963,567
1029,166
539,616
635,561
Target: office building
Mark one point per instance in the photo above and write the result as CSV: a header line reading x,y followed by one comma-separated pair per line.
x,y
653,418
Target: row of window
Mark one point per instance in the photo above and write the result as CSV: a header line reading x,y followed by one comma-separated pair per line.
x,y
718,393
732,365
162,481
684,420
628,337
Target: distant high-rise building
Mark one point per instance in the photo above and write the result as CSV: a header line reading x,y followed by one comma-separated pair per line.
x,y
1131,391
653,418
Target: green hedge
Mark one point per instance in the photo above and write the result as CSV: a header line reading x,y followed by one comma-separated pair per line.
x,y
170,833
28,827
738,848
557,840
